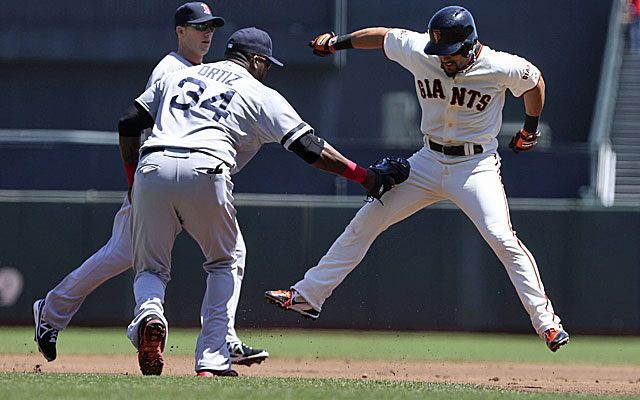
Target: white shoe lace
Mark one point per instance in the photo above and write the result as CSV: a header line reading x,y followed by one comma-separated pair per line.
x,y
46,328
54,335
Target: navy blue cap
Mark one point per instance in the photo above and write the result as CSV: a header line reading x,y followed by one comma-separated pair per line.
x,y
252,40
196,13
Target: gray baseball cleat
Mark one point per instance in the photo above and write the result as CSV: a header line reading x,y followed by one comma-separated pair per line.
x,y
46,337
242,354
291,300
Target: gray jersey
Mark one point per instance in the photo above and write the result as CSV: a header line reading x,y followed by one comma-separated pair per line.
x,y
172,62
221,109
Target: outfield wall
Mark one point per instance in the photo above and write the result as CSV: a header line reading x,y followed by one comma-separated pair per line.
x,y
431,271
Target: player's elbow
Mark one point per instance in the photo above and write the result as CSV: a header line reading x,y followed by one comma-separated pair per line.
x,y
126,127
540,87
308,147
133,121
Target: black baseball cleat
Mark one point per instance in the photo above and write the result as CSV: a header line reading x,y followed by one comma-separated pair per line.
x,y
209,373
242,354
291,300
46,337
151,335
555,338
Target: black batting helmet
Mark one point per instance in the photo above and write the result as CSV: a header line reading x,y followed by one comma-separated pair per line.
x,y
451,30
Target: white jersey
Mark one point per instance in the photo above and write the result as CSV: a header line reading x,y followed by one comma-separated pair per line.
x,y
467,108
221,109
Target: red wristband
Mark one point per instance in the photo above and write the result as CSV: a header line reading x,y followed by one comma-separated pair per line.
x,y
131,172
354,172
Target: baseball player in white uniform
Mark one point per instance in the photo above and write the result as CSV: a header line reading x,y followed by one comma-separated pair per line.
x,y
208,122
460,85
194,25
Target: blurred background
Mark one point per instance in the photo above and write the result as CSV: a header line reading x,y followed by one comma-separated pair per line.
x,y
69,69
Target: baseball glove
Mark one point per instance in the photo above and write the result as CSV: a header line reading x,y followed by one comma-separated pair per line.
x,y
523,141
390,171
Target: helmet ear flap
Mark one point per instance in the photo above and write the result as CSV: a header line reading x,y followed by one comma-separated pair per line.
x,y
466,48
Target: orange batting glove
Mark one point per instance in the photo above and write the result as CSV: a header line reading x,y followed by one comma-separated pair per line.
x,y
322,45
523,141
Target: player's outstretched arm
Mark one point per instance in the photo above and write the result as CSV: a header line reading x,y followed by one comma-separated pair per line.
x,y
331,160
320,154
378,179
367,38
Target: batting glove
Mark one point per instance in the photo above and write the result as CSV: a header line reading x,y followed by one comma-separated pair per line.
x,y
523,141
322,45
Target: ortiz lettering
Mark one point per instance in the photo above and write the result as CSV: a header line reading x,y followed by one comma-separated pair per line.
x,y
459,96
219,75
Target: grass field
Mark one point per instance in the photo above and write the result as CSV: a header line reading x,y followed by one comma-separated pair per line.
x,y
85,386
401,346
312,345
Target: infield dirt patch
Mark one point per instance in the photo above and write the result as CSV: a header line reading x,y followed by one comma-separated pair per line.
x,y
586,379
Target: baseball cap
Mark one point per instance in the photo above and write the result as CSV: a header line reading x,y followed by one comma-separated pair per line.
x,y
196,13
252,40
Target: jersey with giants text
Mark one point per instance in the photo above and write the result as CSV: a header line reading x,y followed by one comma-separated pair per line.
x,y
468,107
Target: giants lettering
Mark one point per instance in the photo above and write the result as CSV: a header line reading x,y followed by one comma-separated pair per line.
x,y
484,102
437,88
427,92
459,96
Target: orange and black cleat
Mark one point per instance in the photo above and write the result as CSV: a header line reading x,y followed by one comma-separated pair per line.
x,y
291,300
555,338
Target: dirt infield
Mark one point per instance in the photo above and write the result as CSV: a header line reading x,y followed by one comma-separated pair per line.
x,y
587,379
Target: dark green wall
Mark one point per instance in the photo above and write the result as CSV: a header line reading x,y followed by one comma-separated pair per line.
x,y
431,271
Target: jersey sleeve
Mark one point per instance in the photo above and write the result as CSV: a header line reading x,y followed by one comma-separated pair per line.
x,y
279,122
150,98
399,44
521,75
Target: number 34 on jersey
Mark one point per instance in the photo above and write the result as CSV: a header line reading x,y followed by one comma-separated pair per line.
x,y
193,89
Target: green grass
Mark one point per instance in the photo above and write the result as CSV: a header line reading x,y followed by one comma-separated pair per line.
x,y
87,386
319,344
306,344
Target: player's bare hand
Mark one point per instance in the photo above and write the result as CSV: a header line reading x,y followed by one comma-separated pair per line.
x,y
523,141
322,45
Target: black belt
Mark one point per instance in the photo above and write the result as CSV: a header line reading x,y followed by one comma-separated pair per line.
x,y
154,149
453,150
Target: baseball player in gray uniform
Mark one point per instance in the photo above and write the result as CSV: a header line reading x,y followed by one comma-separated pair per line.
x,y
194,25
208,122
461,86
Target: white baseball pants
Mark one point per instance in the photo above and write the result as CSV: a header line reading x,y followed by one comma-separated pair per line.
x,y
473,183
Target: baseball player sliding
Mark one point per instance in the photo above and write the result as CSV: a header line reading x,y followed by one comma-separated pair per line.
x,y
461,87
194,26
208,122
